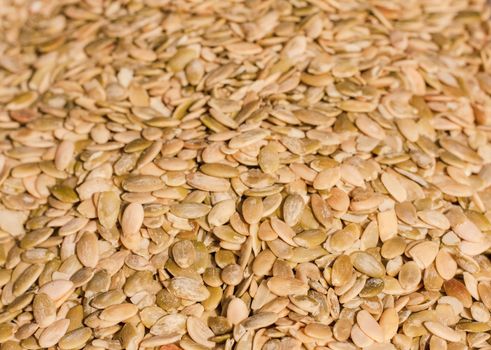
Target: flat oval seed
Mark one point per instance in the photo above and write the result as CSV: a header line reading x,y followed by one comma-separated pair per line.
x,y
184,254
75,339
56,289
370,326
237,311
248,138
327,178
409,275
44,310
189,289
442,331
367,264
118,313
445,265
220,213
219,170
393,185
132,219
252,209
53,333
199,332
293,207
190,210
260,320
284,231
282,286
342,270
108,208
389,321
64,154
207,183
88,249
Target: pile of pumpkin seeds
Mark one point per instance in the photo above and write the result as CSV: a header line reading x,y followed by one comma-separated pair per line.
x,y
245,174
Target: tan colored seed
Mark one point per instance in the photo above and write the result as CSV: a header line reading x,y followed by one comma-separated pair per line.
x,y
458,290
221,213
326,179
282,286
389,321
51,335
393,185
232,274
338,200
64,154
268,159
184,254
118,313
435,218
463,227
318,331
169,325
370,326
284,231
44,310
370,128
442,331
445,265
207,183
75,339
424,253
219,170
190,210
367,264
387,224
108,208
88,249
132,219
260,320
188,288
292,209
409,275
252,209
342,270
237,311
57,289
248,138
199,332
